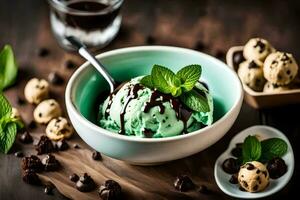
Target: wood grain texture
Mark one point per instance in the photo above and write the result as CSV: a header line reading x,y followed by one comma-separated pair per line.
x,y
217,24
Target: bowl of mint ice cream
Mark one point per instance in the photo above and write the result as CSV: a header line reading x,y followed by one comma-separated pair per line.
x,y
170,103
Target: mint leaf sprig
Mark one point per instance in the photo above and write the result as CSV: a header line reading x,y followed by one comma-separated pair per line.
x,y
8,67
179,85
254,150
8,125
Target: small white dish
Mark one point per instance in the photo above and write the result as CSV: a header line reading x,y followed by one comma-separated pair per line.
x,y
265,132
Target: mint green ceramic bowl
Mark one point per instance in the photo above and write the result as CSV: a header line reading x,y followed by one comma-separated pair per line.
x,y
86,85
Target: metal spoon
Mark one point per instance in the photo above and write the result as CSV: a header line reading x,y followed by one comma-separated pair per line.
x,y
82,50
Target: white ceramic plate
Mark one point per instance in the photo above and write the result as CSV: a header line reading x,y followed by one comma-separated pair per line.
x,y
265,132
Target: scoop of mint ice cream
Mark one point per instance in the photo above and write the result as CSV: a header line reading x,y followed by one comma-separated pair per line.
x,y
139,123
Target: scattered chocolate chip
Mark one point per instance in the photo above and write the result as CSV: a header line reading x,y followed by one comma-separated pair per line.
x,y
62,145
199,46
238,58
76,146
26,138
111,190
29,176
20,101
50,163
220,54
234,179
150,40
183,183
32,125
250,166
96,155
230,166
33,163
43,52
19,154
203,189
69,64
74,177
236,152
48,190
85,183
44,146
55,78
276,168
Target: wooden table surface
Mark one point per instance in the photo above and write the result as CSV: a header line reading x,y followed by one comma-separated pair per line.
x,y
217,24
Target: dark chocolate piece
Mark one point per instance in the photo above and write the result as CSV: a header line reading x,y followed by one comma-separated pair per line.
x,y
76,146
55,78
183,183
250,166
111,190
19,154
29,176
74,177
33,163
62,145
44,146
50,163
238,58
234,179
32,125
26,138
230,166
85,183
252,65
96,155
276,168
48,190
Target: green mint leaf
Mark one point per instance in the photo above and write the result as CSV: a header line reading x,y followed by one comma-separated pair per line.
x,y
147,81
272,148
189,76
251,149
164,80
7,136
5,107
8,67
195,100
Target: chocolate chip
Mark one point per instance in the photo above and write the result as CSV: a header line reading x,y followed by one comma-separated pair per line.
x,y
44,146
288,72
257,171
32,125
26,138
19,154
50,163
230,166
183,183
62,145
261,46
33,163
238,58
245,184
203,189
242,189
276,168
20,101
111,190
236,152
150,40
69,64
85,183
234,179
29,176
265,173
258,178
48,190
74,177
255,187
199,46
43,52
252,65
279,77
76,146
55,78
96,155
250,166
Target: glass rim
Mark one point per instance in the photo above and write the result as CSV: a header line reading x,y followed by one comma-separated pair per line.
x,y
60,6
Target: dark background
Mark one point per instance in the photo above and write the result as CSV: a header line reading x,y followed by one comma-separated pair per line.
x,y
216,24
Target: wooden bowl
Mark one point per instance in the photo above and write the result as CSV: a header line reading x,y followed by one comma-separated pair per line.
x,y
261,100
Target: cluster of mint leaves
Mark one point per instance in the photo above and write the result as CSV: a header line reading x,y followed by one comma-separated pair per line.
x,y
179,85
8,125
263,151
8,67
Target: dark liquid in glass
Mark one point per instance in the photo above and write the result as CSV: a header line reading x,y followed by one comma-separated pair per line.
x,y
89,22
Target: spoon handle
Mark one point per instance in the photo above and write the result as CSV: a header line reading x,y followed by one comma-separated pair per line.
x,y
82,50
84,53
